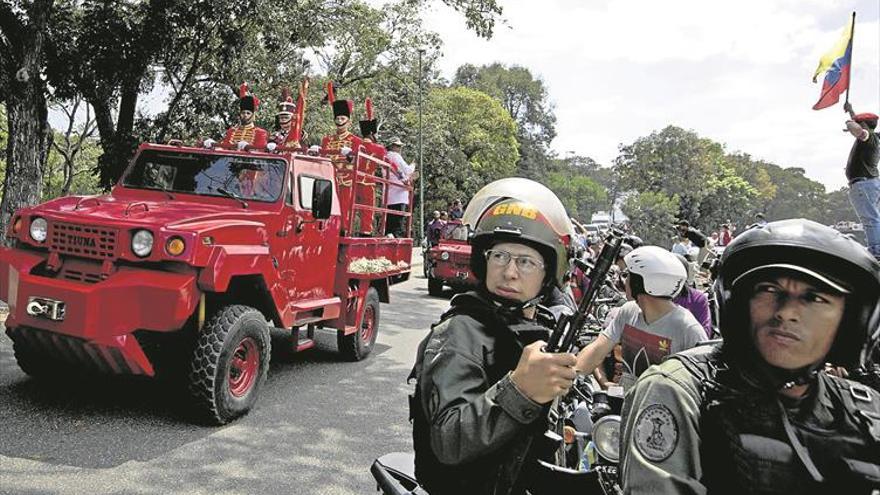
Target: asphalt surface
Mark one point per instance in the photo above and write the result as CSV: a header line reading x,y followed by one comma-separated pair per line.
x,y
316,428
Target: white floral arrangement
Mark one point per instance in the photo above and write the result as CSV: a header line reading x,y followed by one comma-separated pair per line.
x,y
375,265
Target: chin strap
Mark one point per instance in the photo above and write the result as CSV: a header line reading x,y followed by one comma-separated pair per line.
x,y
509,307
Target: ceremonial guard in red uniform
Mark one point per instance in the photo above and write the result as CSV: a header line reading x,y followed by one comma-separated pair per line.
x,y
289,119
341,147
246,135
365,192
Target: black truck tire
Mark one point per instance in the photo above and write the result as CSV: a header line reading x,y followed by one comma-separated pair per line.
x,y
38,364
357,346
435,287
229,363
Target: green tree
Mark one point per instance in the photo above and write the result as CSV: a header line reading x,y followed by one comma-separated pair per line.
x,y
797,196
839,208
674,162
730,197
581,195
526,99
469,141
651,215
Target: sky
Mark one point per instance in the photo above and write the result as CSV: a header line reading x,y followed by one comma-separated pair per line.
x,y
739,73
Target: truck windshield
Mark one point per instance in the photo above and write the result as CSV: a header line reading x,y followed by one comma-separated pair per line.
x,y
257,179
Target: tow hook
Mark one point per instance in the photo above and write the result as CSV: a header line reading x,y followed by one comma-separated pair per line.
x,y
45,308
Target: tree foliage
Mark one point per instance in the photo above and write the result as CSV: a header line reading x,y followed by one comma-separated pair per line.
x,y
672,161
526,99
651,215
581,195
469,141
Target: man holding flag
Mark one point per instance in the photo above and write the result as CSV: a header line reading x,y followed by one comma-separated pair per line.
x,y
862,174
861,167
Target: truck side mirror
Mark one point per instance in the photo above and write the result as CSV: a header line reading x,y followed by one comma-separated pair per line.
x,y
322,198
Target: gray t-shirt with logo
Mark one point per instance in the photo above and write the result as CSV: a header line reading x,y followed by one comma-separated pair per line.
x,y
647,344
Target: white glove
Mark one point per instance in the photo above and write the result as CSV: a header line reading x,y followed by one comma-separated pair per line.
x,y
314,150
209,143
345,151
242,145
271,146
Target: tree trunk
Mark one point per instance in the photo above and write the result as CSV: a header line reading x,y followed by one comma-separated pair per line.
x,y
27,118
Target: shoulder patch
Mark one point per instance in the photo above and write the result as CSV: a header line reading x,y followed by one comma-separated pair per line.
x,y
656,433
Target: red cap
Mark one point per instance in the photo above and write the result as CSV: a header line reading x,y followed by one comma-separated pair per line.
x,y
864,117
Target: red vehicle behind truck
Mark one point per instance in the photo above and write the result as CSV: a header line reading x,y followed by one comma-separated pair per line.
x,y
189,262
448,262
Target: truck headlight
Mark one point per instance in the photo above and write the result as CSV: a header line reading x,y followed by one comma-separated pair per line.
x,y
606,437
142,243
39,229
444,255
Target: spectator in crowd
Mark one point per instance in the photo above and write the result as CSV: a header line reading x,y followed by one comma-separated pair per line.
x,y
435,228
685,248
402,174
456,211
862,174
694,300
725,236
650,327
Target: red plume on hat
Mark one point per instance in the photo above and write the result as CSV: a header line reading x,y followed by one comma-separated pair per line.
x,y
247,100
369,127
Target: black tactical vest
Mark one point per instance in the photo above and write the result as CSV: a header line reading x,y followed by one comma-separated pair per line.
x,y
754,443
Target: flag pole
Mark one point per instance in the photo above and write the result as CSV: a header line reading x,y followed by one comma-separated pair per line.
x,y
852,33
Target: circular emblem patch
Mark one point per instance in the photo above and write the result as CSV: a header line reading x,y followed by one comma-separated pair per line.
x,y
656,433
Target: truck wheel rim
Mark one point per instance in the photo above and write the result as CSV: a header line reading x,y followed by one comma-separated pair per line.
x,y
369,325
243,368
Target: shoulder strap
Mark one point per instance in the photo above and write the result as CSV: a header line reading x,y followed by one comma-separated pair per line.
x,y
861,403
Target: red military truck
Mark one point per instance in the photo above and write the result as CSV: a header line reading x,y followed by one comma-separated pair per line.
x,y
448,263
186,265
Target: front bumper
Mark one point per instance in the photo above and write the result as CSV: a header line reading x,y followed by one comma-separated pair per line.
x,y
103,314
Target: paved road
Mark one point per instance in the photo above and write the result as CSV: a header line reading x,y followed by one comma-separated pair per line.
x,y
317,427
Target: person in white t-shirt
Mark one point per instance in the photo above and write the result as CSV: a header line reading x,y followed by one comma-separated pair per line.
x,y
404,174
650,327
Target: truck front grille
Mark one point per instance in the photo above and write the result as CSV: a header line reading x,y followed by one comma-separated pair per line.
x,y
80,240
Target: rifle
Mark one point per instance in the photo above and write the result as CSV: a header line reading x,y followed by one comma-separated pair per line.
x,y
563,337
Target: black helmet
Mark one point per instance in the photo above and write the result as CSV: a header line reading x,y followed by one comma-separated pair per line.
x,y
520,210
818,251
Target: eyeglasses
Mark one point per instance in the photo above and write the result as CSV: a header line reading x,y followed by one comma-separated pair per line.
x,y
525,264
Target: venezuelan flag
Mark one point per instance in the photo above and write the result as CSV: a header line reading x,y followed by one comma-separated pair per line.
x,y
835,63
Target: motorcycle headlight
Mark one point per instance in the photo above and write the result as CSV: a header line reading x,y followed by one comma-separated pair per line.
x,y
606,437
444,255
39,229
142,243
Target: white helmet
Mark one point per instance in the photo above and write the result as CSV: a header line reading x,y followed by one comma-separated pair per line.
x,y
661,272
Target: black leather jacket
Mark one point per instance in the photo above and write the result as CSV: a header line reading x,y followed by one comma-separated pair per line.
x,y
472,429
